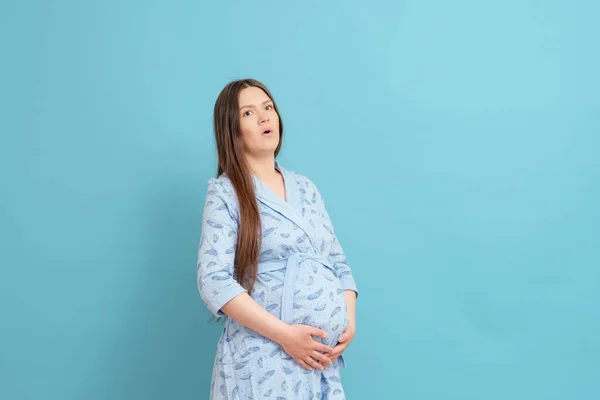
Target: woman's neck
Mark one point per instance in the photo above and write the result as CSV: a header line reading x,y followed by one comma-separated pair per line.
x,y
263,168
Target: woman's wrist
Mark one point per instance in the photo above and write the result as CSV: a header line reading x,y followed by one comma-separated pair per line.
x,y
281,332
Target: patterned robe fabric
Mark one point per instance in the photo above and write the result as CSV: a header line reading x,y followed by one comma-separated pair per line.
x,y
302,275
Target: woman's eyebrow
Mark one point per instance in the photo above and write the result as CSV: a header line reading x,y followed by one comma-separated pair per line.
x,y
264,102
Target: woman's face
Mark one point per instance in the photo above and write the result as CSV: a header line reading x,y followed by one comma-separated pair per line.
x,y
259,122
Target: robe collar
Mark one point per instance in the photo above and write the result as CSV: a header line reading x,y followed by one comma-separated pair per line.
x,y
288,208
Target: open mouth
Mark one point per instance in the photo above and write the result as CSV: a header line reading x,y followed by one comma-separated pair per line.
x,y
268,132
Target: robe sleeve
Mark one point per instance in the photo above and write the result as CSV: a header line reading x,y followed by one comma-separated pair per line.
x,y
336,254
216,251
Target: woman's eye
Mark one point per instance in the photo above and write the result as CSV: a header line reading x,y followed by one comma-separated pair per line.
x,y
269,107
247,113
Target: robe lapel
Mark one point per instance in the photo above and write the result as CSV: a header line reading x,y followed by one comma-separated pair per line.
x,y
285,207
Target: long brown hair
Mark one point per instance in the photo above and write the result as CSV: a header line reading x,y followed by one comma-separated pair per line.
x,y
233,163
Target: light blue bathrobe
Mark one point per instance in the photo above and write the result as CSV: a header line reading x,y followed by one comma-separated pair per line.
x,y
302,275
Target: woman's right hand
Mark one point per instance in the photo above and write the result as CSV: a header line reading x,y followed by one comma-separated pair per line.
x,y
298,342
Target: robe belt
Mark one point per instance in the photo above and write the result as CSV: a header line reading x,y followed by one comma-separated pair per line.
x,y
291,265
291,270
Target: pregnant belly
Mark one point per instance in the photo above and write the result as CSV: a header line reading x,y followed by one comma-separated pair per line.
x,y
319,301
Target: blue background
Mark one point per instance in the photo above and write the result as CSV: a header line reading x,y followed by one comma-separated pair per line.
x,y
456,145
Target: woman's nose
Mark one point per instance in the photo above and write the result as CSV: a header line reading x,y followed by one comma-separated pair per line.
x,y
263,118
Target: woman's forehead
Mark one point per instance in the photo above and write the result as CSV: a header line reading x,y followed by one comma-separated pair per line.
x,y
252,96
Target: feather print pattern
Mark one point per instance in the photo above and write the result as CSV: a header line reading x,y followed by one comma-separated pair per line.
x,y
266,376
248,364
315,295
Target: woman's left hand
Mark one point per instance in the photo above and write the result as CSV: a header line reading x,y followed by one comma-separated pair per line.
x,y
343,342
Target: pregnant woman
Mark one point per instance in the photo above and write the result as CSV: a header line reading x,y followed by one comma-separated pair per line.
x,y
270,262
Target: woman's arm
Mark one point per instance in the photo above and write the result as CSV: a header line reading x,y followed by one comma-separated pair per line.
x,y
338,258
223,295
245,310
296,340
336,254
350,296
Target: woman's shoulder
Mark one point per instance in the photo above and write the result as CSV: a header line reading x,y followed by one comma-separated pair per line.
x,y
299,178
221,183
303,181
221,189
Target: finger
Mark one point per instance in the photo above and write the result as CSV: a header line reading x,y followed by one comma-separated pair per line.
x,y
345,336
313,363
318,333
304,365
339,349
323,359
323,348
